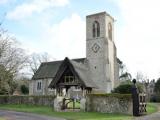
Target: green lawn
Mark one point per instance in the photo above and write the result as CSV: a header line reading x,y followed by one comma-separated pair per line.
x,y
73,115
151,108
77,105
68,115
2,118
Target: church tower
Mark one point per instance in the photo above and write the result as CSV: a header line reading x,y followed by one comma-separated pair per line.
x,y
101,51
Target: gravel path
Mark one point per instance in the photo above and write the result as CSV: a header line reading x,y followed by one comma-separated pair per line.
x,y
12,115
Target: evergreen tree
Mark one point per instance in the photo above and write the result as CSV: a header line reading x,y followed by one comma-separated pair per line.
x,y
157,86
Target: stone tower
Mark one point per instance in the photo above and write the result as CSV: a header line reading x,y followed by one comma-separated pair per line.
x,y
101,51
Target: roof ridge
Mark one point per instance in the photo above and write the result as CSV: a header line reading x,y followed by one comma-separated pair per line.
x,y
62,60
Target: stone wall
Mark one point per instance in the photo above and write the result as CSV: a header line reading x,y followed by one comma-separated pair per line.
x,y
109,103
105,103
32,100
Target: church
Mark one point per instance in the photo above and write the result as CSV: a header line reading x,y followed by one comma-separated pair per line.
x,y
97,73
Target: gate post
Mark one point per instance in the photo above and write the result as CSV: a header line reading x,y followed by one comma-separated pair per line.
x,y
63,104
135,98
58,103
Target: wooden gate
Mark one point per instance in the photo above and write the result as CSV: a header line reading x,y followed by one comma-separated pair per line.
x,y
139,101
142,103
70,103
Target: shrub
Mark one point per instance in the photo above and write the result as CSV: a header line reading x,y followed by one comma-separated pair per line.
x,y
155,98
123,89
157,86
24,89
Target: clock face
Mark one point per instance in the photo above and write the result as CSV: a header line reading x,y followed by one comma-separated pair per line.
x,y
95,48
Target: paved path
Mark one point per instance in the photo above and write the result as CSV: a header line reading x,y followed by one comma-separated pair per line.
x,y
154,116
12,115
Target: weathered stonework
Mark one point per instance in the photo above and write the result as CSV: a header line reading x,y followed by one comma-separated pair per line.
x,y
83,104
58,103
44,87
31,100
109,104
92,103
101,52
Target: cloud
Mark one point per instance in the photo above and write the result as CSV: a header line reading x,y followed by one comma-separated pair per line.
x,y
64,39
138,38
3,1
27,9
68,37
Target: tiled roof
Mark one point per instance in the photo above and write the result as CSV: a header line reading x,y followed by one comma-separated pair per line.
x,y
49,69
83,73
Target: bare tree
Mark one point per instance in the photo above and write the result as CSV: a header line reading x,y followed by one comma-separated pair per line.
x,y
37,58
122,68
141,77
123,72
126,76
11,57
12,60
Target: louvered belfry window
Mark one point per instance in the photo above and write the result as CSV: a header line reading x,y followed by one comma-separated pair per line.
x,y
96,29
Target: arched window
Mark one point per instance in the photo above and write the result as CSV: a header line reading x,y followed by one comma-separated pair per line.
x,y
110,31
96,29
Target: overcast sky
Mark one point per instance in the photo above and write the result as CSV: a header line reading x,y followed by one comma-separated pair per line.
x,y
58,27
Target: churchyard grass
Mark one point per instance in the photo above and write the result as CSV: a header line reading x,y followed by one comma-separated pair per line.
x,y
68,115
2,118
72,115
77,105
151,108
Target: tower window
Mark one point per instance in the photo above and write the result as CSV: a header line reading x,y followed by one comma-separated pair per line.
x,y
110,31
96,29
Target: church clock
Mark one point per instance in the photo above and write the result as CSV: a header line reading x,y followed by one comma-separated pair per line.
x,y
95,48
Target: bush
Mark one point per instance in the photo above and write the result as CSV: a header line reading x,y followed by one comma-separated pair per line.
x,y
123,89
155,98
157,86
24,89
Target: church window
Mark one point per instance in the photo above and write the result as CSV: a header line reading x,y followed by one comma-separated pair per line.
x,y
96,29
110,31
39,85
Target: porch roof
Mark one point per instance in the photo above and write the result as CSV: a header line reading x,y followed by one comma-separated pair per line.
x,y
79,70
